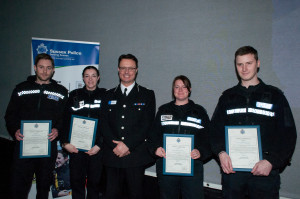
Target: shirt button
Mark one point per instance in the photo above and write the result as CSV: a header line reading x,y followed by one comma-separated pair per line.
x,y
139,109
109,109
122,138
123,116
122,127
124,105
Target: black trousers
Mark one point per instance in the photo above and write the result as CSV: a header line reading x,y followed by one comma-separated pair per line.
x,y
237,185
188,187
119,178
24,169
85,171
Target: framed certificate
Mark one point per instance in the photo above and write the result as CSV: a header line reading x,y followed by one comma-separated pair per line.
x,y
243,145
35,143
83,132
178,159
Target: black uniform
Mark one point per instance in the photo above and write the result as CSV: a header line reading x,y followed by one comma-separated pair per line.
x,y
190,119
267,107
127,119
32,101
85,168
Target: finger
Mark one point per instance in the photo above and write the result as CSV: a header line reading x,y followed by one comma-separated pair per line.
x,y
116,142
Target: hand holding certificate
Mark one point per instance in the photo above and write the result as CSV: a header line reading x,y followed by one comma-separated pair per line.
x,y
82,132
178,159
243,146
35,143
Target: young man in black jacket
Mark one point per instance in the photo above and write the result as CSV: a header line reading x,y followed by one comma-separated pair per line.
x,y
253,103
38,98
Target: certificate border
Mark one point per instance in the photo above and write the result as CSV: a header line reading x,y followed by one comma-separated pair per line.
x,y
49,142
95,129
244,127
192,160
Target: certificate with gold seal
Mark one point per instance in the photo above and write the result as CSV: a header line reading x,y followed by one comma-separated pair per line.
x,y
35,143
83,132
243,145
178,159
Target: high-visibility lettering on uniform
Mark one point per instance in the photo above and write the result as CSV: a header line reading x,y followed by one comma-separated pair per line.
x,y
190,124
251,110
197,126
237,110
29,92
81,106
261,112
54,93
170,123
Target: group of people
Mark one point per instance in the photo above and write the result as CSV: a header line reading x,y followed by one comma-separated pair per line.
x,y
129,136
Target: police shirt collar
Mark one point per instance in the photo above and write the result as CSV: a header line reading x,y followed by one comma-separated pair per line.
x,y
129,88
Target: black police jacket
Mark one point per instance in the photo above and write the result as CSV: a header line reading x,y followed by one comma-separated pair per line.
x,y
127,119
83,102
190,119
32,101
261,105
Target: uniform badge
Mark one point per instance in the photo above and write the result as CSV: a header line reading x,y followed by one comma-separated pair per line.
x,y
97,101
264,105
166,117
112,102
53,97
139,104
81,103
193,119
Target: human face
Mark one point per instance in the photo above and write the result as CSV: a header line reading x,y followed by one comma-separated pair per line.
x,y
247,68
127,71
90,78
44,71
60,160
181,93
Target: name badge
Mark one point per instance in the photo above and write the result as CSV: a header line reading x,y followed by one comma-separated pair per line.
x,y
166,117
264,105
112,102
193,119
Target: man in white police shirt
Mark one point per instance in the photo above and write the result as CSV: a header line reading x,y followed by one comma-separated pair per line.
x,y
252,102
129,111
38,98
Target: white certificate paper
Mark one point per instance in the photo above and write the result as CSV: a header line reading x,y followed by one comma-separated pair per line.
x,y
35,143
178,159
82,132
243,146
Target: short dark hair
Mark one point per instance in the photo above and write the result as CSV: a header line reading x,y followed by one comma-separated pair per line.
x,y
128,56
91,67
63,152
43,56
185,81
244,51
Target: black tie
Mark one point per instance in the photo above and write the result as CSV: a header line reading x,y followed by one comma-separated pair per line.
x,y
125,92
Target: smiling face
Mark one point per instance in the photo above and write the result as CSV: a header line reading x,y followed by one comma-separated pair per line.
x,y
60,160
90,78
181,93
247,68
127,71
44,71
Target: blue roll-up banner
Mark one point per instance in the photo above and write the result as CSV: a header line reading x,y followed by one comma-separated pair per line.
x,y
70,58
